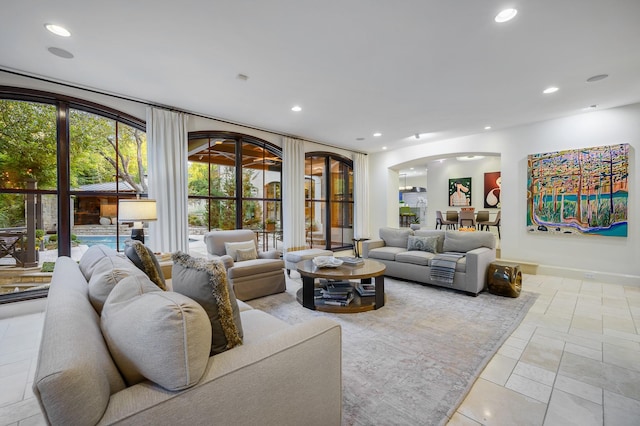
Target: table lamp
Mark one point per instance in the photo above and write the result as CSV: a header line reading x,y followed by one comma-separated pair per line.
x,y
137,211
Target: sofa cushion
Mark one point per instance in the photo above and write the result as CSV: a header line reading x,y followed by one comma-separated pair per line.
x,y
417,257
146,261
92,256
254,267
169,343
395,237
205,281
231,248
386,252
429,244
246,254
463,242
107,273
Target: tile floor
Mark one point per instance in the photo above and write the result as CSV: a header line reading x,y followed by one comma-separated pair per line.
x,y
575,359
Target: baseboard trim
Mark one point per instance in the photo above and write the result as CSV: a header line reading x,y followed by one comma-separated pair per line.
x,y
525,267
586,275
25,307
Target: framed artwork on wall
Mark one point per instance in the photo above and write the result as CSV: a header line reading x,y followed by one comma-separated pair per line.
x,y
579,191
492,186
460,192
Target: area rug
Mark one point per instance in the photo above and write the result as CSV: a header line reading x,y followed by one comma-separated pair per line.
x,y
413,361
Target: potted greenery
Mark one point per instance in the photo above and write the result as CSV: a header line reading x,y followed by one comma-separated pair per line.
x,y
270,224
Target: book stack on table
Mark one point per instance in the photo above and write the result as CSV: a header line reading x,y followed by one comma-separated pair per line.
x,y
366,289
338,293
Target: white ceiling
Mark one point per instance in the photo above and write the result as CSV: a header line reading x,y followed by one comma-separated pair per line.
x,y
442,68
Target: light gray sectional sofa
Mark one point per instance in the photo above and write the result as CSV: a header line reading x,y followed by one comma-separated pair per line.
x,y
281,374
392,249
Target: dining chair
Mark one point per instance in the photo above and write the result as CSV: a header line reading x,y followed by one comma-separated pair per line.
x,y
452,219
495,223
439,219
467,216
481,217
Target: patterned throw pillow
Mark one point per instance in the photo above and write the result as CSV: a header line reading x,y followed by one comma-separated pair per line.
x,y
429,244
205,281
246,254
146,261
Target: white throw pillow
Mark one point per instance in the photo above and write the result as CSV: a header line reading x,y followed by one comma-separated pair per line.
x,y
106,274
92,256
157,335
231,248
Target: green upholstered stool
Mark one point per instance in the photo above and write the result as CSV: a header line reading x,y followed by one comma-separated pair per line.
x,y
504,279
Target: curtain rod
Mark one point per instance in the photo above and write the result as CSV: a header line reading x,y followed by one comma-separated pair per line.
x,y
167,107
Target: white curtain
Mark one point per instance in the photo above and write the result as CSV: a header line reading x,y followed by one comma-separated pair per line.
x,y
293,194
360,196
167,154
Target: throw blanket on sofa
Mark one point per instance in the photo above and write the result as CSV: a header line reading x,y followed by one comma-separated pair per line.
x,y
443,267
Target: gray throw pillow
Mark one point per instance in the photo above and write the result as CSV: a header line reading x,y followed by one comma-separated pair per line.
x,y
146,261
157,335
205,281
429,244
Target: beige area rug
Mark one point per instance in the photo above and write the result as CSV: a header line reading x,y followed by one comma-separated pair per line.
x,y
413,361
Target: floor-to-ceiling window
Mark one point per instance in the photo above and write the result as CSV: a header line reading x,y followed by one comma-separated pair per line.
x,y
64,164
328,200
235,183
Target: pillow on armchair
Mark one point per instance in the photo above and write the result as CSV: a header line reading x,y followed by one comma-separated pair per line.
x,y
232,248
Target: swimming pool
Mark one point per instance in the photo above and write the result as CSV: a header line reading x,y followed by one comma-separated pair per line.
x,y
107,240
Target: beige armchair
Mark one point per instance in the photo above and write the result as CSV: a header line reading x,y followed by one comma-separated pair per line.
x,y
253,273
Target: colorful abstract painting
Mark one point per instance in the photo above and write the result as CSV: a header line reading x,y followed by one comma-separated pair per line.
x,y
492,186
579,191
460,192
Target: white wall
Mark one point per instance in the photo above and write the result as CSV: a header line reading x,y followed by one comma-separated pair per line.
x,y
594,257
438,189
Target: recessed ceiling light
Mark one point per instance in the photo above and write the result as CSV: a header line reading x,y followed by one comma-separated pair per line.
x,y
487,127
377,134
506,15
384,147
61,53
597,78
296,108
470,158
58,30
549,90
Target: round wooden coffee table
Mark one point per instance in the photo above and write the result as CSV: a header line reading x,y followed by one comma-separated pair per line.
x,y
364,272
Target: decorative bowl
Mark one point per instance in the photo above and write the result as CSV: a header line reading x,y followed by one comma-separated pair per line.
x,y
326,262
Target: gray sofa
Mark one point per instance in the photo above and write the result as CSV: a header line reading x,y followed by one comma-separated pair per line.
x,y
281,374
479,249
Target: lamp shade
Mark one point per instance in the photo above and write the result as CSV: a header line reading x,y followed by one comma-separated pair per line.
x,y
138,210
